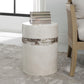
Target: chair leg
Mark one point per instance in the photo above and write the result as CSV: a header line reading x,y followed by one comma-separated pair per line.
x,y
73,61
69,51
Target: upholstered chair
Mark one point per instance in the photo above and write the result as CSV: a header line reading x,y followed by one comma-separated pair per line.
x,y
75,12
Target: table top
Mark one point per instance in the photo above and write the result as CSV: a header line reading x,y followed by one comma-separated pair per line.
x,y
39,30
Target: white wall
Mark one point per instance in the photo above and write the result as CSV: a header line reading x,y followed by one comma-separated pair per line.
x,y
58,10
59,15
12,23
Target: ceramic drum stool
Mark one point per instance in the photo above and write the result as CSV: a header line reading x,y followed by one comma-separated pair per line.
x,y
39,48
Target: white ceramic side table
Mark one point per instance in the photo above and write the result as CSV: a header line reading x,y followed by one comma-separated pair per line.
x,y
39,48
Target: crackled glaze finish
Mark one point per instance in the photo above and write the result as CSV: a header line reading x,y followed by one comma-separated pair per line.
x,y
39,49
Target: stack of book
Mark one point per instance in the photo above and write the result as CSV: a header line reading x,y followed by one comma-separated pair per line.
x,y
40,17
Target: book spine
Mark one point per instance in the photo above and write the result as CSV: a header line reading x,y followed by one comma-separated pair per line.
x,y
47,12
41,22
41,18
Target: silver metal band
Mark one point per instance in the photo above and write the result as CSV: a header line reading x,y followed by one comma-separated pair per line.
x,y
39,41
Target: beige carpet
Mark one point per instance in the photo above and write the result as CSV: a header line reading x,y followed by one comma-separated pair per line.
x,y
11,71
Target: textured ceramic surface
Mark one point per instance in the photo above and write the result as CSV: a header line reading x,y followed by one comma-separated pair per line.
x,y
11,69
40,58
39,31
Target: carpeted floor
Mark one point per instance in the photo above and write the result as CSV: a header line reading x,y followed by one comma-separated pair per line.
x,y
11,71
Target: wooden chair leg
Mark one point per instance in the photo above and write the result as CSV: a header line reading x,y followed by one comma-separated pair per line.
x,y
73,61
69,51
